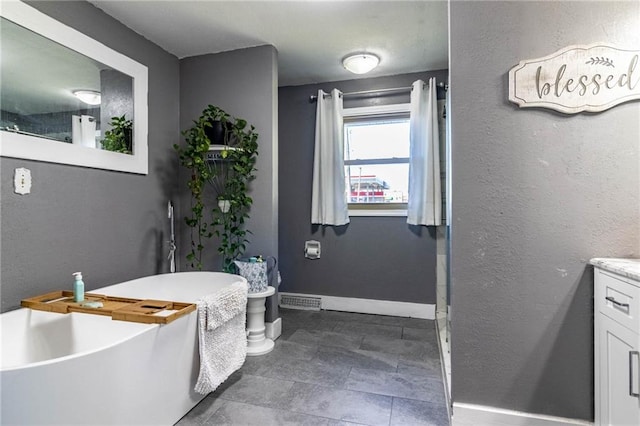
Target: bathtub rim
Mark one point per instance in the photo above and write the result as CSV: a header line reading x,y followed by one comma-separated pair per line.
x,y
143,329
106,288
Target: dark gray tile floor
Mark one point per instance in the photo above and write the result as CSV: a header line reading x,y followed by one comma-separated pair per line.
x,y
335,368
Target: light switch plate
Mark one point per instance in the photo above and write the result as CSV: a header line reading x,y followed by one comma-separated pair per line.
x,y
22,181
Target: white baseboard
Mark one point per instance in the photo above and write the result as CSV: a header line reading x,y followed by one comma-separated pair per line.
x,y
273,330
480,415
372,306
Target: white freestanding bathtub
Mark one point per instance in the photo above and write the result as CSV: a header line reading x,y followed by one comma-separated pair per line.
x,y
75,368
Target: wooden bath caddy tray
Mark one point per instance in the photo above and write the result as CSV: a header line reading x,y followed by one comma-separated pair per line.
x,y
118,308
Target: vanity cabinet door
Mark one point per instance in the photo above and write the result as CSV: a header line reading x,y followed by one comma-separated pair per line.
x,y
618,374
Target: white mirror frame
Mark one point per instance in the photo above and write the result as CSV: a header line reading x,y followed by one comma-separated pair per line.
x,y
34,148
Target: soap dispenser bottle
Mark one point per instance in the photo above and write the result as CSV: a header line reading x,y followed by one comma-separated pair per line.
x,y
78,288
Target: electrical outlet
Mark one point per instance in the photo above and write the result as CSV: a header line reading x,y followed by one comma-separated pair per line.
x,y
22,181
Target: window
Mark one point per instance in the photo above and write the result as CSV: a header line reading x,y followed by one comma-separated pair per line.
x,y
376,158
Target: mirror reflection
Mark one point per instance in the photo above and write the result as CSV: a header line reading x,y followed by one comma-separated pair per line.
x,y
55,93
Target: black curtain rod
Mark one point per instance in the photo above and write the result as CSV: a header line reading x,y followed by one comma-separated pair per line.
x,y
314,98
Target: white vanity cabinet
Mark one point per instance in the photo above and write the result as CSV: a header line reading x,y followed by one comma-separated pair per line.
x,y
617,341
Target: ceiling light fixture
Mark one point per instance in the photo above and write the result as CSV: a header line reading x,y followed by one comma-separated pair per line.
x,y
90,97
360,63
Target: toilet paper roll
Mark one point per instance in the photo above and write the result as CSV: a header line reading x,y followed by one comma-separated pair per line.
x,y
312,249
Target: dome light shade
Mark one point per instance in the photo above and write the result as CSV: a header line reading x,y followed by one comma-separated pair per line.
x,y
360,63
90,97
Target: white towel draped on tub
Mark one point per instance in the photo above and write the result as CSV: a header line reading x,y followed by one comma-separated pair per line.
x,y
222,335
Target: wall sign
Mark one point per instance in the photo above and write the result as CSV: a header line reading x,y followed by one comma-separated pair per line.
x,y
577,78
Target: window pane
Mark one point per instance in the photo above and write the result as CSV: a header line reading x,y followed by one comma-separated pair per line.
x,y
379,139
380,183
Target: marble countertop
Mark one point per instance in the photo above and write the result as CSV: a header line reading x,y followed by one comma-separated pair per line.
x,y
629,268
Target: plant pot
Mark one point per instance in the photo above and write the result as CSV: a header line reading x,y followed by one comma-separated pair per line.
x,y
218,132
224,205
128,137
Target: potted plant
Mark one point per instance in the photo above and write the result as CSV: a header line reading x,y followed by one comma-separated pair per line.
x,y
238,169
119,138
228,174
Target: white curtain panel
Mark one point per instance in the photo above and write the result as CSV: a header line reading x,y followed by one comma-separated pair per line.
x,y
83,130
328,199
425,198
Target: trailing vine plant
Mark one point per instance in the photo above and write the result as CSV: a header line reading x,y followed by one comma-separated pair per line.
x,y
238,169
228,175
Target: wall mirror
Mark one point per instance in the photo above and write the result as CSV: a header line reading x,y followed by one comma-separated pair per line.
x,y
68,99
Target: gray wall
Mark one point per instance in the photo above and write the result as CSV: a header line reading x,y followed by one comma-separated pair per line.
x,y
372,257
243,83
111,226
116,91
536,194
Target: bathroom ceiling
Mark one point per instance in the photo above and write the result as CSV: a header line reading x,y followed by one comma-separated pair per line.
x,y
311,36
